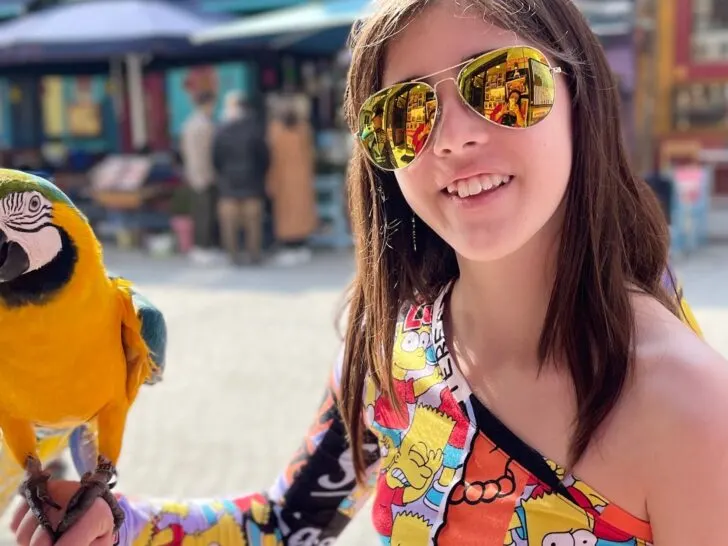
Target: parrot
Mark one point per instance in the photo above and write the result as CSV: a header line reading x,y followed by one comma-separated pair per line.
x,y
77,342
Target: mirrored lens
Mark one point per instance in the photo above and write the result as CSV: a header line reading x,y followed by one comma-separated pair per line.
x,y
513,87
395,123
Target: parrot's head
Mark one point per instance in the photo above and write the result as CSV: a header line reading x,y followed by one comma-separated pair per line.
x,y
42,234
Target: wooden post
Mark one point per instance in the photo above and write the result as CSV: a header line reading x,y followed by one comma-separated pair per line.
x,y
646,100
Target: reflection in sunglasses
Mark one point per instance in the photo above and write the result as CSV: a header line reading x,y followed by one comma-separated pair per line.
x,y
396,123
512,87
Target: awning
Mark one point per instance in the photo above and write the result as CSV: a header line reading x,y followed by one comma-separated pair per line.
x,y
245,6
103,28
287,26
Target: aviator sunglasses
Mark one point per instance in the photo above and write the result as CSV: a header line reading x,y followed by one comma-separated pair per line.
x,y
511,87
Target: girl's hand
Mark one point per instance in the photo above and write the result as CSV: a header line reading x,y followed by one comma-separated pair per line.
x,y
94,528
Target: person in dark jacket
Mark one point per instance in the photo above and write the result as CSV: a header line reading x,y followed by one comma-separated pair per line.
x,y
241,159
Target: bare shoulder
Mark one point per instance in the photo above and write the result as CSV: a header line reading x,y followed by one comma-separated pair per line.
x,y
678,374
679,400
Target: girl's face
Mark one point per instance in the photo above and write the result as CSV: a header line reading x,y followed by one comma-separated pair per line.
x,y
465,153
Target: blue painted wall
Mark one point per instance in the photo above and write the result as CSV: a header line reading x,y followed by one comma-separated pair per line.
x,y
235,76
6,128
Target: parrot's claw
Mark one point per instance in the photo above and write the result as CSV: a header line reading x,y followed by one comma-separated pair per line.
x,y
93,485
35,491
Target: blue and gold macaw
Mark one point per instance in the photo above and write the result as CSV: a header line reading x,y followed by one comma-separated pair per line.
x,y
77,342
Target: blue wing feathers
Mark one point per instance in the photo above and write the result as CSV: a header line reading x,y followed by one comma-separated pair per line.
x,y
154,330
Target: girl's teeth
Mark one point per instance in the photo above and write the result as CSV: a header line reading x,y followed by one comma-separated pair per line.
x,y
491,181
486,181
477,184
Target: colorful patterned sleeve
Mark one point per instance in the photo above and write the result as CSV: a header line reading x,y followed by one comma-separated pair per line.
x,y
310,502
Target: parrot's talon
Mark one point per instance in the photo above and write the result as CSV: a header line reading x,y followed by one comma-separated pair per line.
x,y
116,510
35,491
93,485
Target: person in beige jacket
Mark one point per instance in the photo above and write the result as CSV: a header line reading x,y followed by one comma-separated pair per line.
x,y
290,185
196,150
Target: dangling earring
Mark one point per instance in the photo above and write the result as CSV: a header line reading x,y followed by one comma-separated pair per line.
x,y
382,204
414,233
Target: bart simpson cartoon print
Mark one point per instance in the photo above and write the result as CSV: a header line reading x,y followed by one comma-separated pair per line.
x,y
412,469
214,537
217,523
544,518
414,372
413,366
454,453
410,528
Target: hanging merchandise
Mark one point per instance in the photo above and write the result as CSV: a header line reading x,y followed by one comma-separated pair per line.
x,y
268,78
309,77
288,65
325,95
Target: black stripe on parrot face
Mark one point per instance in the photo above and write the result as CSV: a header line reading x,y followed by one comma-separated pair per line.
x,y
25,212
42,216
38,287
20,228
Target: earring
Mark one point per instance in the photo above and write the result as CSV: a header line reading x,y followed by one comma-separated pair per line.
x,y
414,233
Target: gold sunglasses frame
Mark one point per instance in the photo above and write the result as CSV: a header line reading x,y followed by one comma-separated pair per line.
x,y
463,65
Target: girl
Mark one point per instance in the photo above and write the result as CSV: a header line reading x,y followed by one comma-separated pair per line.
x,y
511,345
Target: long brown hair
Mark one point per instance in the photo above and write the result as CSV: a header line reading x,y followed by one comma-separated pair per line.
x,y
614,233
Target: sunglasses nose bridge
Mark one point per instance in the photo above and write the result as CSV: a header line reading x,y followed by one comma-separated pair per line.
x,y
443,80
454,80
437,84
438,94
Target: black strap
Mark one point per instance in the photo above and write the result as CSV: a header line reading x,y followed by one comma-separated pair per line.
x,y
517,449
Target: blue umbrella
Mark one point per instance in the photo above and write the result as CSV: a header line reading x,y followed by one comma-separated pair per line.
x,y
102,29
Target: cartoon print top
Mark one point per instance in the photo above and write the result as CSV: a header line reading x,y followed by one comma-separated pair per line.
x,y
445,472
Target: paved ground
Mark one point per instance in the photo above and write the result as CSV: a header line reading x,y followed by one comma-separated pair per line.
x,y
248,355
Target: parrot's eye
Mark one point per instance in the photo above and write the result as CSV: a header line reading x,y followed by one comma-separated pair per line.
x,y
34,204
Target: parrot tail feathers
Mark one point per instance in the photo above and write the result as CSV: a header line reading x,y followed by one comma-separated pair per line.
x,y
140,364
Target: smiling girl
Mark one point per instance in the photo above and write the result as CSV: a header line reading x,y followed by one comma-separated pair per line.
x,y
515,370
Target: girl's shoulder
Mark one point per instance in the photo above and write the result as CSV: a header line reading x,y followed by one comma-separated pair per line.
x,y
679,391
677,408
666,344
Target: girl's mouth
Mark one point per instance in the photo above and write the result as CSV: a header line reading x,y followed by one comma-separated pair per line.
x,y
475,185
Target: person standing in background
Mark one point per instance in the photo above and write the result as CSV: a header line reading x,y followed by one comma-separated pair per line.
x,y
241,160
196,149
290,184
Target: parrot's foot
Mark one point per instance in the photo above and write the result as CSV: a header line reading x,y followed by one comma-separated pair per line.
x,y
93,485
35,491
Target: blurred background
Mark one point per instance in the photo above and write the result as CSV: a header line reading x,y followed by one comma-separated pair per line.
x,y
105,97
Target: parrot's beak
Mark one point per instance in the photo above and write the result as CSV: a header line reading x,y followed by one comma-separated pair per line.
x,y
13,259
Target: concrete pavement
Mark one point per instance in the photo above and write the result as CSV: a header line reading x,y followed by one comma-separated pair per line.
x,y
248,356
705,280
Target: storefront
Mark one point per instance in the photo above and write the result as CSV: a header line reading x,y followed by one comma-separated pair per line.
x,y
305,67
613,21
692,124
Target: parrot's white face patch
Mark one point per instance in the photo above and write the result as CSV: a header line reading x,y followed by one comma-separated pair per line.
x,y
25,218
